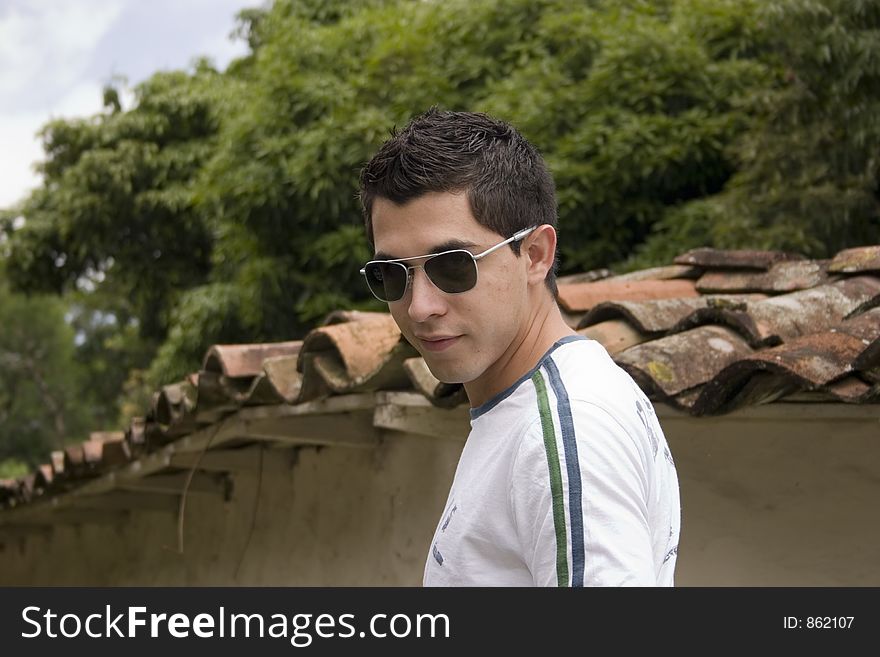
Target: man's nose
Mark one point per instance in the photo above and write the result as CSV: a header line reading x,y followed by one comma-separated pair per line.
x,y
426,299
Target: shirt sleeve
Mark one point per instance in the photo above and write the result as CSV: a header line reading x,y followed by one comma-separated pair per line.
x,y
578,494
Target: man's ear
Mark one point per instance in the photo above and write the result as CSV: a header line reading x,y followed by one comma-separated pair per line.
x,y
540,248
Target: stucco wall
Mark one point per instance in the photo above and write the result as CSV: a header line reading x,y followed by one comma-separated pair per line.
x,y
766,502
326,516
785,502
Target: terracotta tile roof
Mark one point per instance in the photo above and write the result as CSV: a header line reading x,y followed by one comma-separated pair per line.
x,y
665,315
863,258
715,331
235,361
615,334
786,276
364,354
580,297
734,259
664,273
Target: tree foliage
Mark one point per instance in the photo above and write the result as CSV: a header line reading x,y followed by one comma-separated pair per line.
x,y
808,173
40,380
116,205
807,168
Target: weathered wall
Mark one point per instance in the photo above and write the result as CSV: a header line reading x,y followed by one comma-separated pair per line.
x,y
785,502
766,502
326,516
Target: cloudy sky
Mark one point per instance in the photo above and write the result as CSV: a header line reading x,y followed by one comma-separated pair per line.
x,y
56,56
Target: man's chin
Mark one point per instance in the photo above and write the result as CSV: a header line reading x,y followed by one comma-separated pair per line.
x,y
444,373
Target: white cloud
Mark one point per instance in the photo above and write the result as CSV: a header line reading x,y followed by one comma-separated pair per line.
x,y
21,147
84,99
20,150
221,49
56,55
45,47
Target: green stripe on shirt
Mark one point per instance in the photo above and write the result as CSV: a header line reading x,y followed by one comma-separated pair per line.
x,y
555,479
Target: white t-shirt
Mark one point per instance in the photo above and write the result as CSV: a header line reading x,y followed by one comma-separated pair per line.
x,y
566,479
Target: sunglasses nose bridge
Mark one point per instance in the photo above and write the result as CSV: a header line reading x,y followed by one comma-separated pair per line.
x,y
423,298
411,276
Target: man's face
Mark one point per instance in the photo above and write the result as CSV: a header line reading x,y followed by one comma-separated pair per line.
x,y
465,336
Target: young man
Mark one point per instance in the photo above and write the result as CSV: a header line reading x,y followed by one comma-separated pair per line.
x,y
566,478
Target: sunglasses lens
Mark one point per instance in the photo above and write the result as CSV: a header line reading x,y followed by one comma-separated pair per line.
x,y
452,272
387,280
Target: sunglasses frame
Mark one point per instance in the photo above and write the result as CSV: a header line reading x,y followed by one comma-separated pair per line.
x,y
410,268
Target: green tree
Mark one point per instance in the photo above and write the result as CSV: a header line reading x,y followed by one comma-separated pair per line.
x,y
808,174
40,380
116,205
108,349
634,105
807,169
116,226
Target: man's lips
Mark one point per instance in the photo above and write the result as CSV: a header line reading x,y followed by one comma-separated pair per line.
x,y
438,342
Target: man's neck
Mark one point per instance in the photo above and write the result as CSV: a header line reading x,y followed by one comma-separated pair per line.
x,y
545,328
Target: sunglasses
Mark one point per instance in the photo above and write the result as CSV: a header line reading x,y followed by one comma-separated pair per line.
x,y
452,272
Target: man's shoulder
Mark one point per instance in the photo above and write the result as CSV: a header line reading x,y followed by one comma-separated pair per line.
x,y
597,389
588,373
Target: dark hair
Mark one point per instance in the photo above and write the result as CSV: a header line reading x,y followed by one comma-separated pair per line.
x,y
507,183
